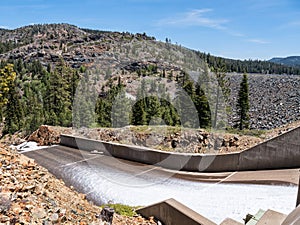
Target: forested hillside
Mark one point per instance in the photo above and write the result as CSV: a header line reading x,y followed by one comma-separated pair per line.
x,y
288,61
251,66
59,74
42,79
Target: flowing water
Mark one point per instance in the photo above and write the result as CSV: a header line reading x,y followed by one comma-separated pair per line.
x,y
214,201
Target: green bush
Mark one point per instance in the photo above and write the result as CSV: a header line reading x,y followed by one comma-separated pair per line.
x,y
124,210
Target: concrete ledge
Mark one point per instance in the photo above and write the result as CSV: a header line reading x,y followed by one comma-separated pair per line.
x,y
171,212
271,217
282,152
229,221
293,217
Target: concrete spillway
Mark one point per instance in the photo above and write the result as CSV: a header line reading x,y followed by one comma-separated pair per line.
x,y
105,179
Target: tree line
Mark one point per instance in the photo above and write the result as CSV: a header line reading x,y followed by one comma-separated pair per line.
x,y
36,95
32,95
154,105
248,66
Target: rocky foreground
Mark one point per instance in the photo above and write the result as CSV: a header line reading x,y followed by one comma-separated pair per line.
x,y
29,194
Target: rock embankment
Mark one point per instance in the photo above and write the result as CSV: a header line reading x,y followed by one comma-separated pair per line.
x,y
47,135
163,138
274,100
172,139
29,194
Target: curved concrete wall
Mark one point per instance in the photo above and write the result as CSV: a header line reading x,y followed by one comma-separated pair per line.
x,y
280,152
172,212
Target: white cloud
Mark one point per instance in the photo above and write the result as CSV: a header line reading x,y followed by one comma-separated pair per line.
x,y
201,18
258,41
4,27
196,17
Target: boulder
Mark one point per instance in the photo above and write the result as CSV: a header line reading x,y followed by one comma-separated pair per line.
x,y
45,135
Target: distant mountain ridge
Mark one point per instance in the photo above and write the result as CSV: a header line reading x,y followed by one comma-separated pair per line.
x,y
49,43
288,61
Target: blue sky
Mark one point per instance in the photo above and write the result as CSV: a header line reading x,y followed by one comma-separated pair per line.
x,y
241,29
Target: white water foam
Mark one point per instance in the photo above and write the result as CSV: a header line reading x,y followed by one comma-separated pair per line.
x,y
216,202
28,146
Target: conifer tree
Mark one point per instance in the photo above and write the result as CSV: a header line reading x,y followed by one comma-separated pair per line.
x,y
121,108
59,98
103,110
222,91
202,106
7,77
243,105
185,105
84,103
139,116
34,119
139,113
14,115
153,110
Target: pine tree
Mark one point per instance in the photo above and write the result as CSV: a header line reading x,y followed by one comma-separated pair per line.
x,y
185,105
34,119
223,91
243,105
103,110
166,116
174,115
192,104
84,104
139,113
14,115
59,98
139,116
7,77
202,106
121,110
153,110
105,113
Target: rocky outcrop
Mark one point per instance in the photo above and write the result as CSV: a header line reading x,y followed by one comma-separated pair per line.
x,y
49,43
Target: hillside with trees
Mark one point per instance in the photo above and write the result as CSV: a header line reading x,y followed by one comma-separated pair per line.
x,y
251,66
59,74
288,61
